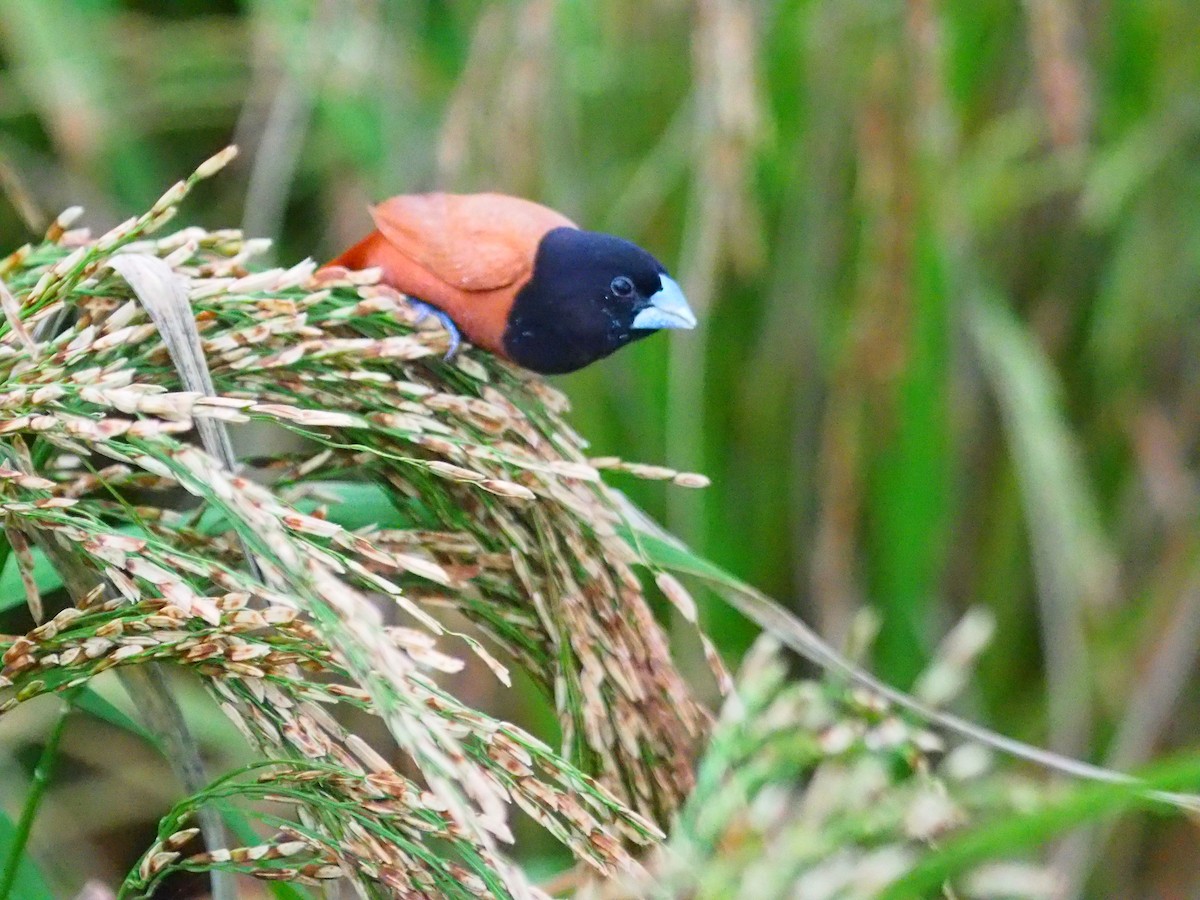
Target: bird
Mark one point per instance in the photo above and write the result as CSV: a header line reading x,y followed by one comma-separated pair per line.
x,y
519,279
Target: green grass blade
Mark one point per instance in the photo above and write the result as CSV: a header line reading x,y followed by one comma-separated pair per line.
x,y
28,882
1073,566
12,594
89,701
17,867
910,495
1028,831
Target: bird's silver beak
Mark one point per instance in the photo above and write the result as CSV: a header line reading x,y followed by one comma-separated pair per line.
x,y
668,309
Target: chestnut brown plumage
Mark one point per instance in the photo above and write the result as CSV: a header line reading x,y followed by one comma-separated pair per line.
x,y
519,279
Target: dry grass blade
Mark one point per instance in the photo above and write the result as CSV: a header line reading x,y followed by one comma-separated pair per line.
x,y
164,297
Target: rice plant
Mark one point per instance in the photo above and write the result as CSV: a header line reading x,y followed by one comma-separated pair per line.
x,y
412,511
487,507
946,254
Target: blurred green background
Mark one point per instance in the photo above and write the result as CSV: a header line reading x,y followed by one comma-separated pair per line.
x,y
946,257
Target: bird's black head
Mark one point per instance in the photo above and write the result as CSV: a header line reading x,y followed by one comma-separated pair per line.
x,y
590,294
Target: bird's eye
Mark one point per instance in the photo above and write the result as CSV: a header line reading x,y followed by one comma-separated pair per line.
x,y
621,286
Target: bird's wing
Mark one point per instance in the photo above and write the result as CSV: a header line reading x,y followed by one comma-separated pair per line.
x,y
474,242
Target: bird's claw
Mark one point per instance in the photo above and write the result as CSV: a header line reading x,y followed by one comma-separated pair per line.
x,y
424,310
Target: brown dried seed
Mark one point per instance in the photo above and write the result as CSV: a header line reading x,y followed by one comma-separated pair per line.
x,y
456,473
677,594
66,617
179,838
507,489
245,670
19,647
95,647
205,609
348,691
246,620
422,567
691,480
291,848
286,874
126,652
173,197
202,651
112,629
607,845
510,764
216,162
146,870
45,632
242,652
69,656
280,615
569,469
32,689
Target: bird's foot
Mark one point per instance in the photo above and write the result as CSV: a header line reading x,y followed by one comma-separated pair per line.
x,y
424,310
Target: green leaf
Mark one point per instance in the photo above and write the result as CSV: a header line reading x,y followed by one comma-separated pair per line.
x,y
910,479
12,593
16,852
1021,831
677,558
1060,507
1074,566
88,700
362,503
30,883
356,504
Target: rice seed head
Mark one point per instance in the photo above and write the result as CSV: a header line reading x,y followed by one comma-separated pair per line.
x,y
217,162
268,601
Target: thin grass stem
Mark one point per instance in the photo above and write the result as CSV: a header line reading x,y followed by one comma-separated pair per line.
x,y
42,773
